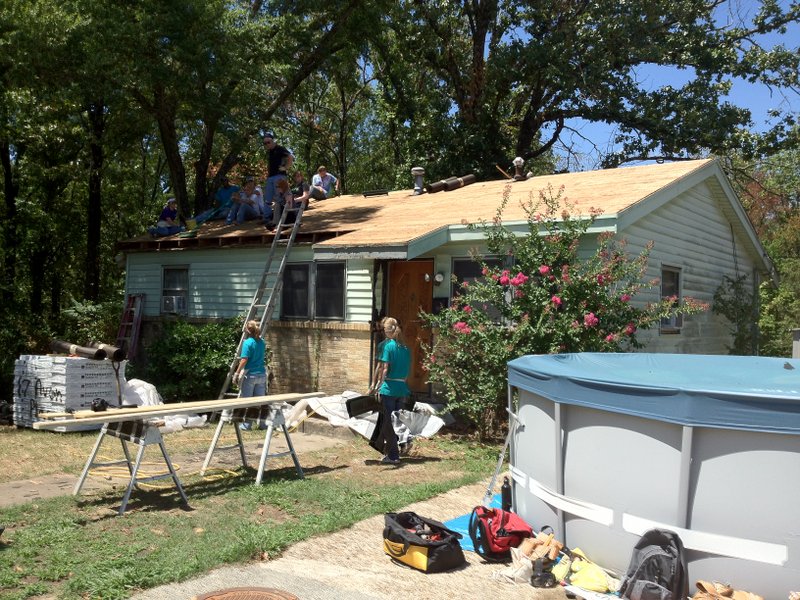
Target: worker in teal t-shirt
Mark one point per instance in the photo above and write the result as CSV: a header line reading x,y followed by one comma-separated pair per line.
x,y
393,369
251,374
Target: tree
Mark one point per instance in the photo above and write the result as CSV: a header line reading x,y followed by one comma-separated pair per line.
x,y
519,73
543,300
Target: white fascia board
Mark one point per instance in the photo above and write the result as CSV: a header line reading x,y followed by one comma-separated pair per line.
x,y
356,252
464,233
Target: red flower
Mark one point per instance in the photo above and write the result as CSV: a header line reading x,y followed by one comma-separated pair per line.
x,y
590,320
625,297
630,329
462,327
544,269
556,300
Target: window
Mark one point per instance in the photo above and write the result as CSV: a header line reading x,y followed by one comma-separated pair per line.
x,y
313,291
466,269
671,287
174,290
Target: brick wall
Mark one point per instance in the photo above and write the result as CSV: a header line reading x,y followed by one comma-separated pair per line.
x,y
330,357
319,356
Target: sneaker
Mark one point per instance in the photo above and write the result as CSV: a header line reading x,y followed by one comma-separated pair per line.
x,y
245,426
390,461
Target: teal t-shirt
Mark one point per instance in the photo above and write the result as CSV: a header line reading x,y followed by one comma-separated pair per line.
x,y
253,350
399,359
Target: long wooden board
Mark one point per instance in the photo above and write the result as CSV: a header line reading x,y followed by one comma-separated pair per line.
x,y
162,410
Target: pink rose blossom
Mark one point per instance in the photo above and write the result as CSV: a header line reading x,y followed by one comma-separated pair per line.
x,y
519,279
518,294
504,280
625,297
485,271
630,329
556,300
462,327
590,320
544,269
611,337
467,309
575,324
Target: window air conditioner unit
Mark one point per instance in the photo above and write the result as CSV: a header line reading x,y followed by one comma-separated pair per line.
x,y
173,304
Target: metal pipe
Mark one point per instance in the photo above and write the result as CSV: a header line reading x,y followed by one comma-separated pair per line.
x,y
457,182
62,347
438,186
418,173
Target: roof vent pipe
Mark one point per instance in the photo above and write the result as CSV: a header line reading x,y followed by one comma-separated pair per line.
x,y
518,174
418,173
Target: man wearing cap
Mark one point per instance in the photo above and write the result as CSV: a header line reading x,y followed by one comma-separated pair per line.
x,y
323,183
223,200
279,161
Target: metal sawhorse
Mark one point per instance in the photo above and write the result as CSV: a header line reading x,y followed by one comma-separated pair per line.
x,y
270,415
142,434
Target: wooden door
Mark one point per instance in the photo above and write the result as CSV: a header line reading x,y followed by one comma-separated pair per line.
x,y
410,291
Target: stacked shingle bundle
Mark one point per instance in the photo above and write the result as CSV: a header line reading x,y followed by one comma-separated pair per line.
x,y
62,384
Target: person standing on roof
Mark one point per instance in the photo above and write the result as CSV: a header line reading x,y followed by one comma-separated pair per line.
x,y
279,161
324,184
393,370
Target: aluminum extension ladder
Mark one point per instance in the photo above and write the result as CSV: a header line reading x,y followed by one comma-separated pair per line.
x,y
270,285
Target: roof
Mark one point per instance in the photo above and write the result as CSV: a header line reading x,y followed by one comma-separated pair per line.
x,y
401,225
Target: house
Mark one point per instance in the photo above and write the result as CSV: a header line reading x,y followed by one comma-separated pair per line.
x,y
357,258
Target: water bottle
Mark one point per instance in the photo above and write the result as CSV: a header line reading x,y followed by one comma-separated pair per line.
x,y
505,494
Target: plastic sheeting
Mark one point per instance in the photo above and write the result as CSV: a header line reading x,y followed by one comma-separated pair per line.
x,y
730,392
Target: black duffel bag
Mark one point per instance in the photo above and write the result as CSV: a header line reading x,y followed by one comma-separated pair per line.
x,y
421,543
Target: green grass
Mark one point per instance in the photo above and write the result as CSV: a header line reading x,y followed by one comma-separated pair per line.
x,y
76,547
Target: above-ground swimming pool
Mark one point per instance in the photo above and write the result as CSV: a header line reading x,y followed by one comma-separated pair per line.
x,y
607,446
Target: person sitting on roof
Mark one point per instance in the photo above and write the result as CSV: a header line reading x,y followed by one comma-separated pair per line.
x,y
323,183
223,201
167,220
301,191
247,204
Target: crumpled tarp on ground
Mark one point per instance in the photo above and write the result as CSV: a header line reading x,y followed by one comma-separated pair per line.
x,y
408,424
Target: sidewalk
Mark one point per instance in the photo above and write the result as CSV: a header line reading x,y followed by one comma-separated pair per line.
x,y
350,564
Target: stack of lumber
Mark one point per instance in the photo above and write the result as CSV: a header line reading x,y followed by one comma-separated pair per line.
x,y
44,384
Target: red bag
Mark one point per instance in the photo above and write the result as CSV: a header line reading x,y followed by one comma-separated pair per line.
x,y
494,532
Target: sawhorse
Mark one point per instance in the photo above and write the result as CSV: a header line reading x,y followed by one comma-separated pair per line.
x,y
272,417
135,432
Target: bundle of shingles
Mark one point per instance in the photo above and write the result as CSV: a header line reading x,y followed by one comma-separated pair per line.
x,y
63,384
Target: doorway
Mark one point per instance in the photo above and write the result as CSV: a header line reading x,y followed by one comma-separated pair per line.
x,y
410,291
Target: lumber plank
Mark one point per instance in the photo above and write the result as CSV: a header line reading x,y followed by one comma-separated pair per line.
x,y
163,410
200,406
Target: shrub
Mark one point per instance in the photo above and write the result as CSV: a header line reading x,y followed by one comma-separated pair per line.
x,y
190,361
544,300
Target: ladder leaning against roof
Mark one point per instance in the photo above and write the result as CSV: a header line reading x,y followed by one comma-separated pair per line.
x,y
270,286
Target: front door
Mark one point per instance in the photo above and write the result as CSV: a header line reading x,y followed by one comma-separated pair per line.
x,y
410,291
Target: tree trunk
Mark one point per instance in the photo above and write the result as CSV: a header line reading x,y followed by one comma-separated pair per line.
x,y
94,209
201,197
165,109
10,191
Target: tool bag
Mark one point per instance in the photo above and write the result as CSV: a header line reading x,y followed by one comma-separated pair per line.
x,y
421,543
494,532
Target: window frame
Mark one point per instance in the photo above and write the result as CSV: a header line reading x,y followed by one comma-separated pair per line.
x,y
673,324
174,291
493,260
312,291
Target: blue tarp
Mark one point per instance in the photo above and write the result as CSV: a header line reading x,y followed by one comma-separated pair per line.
x,y
731,392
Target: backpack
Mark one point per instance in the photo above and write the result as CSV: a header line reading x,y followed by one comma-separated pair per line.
x,y
494,532
658,568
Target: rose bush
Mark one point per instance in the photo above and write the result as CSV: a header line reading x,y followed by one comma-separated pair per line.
x,y
544,299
